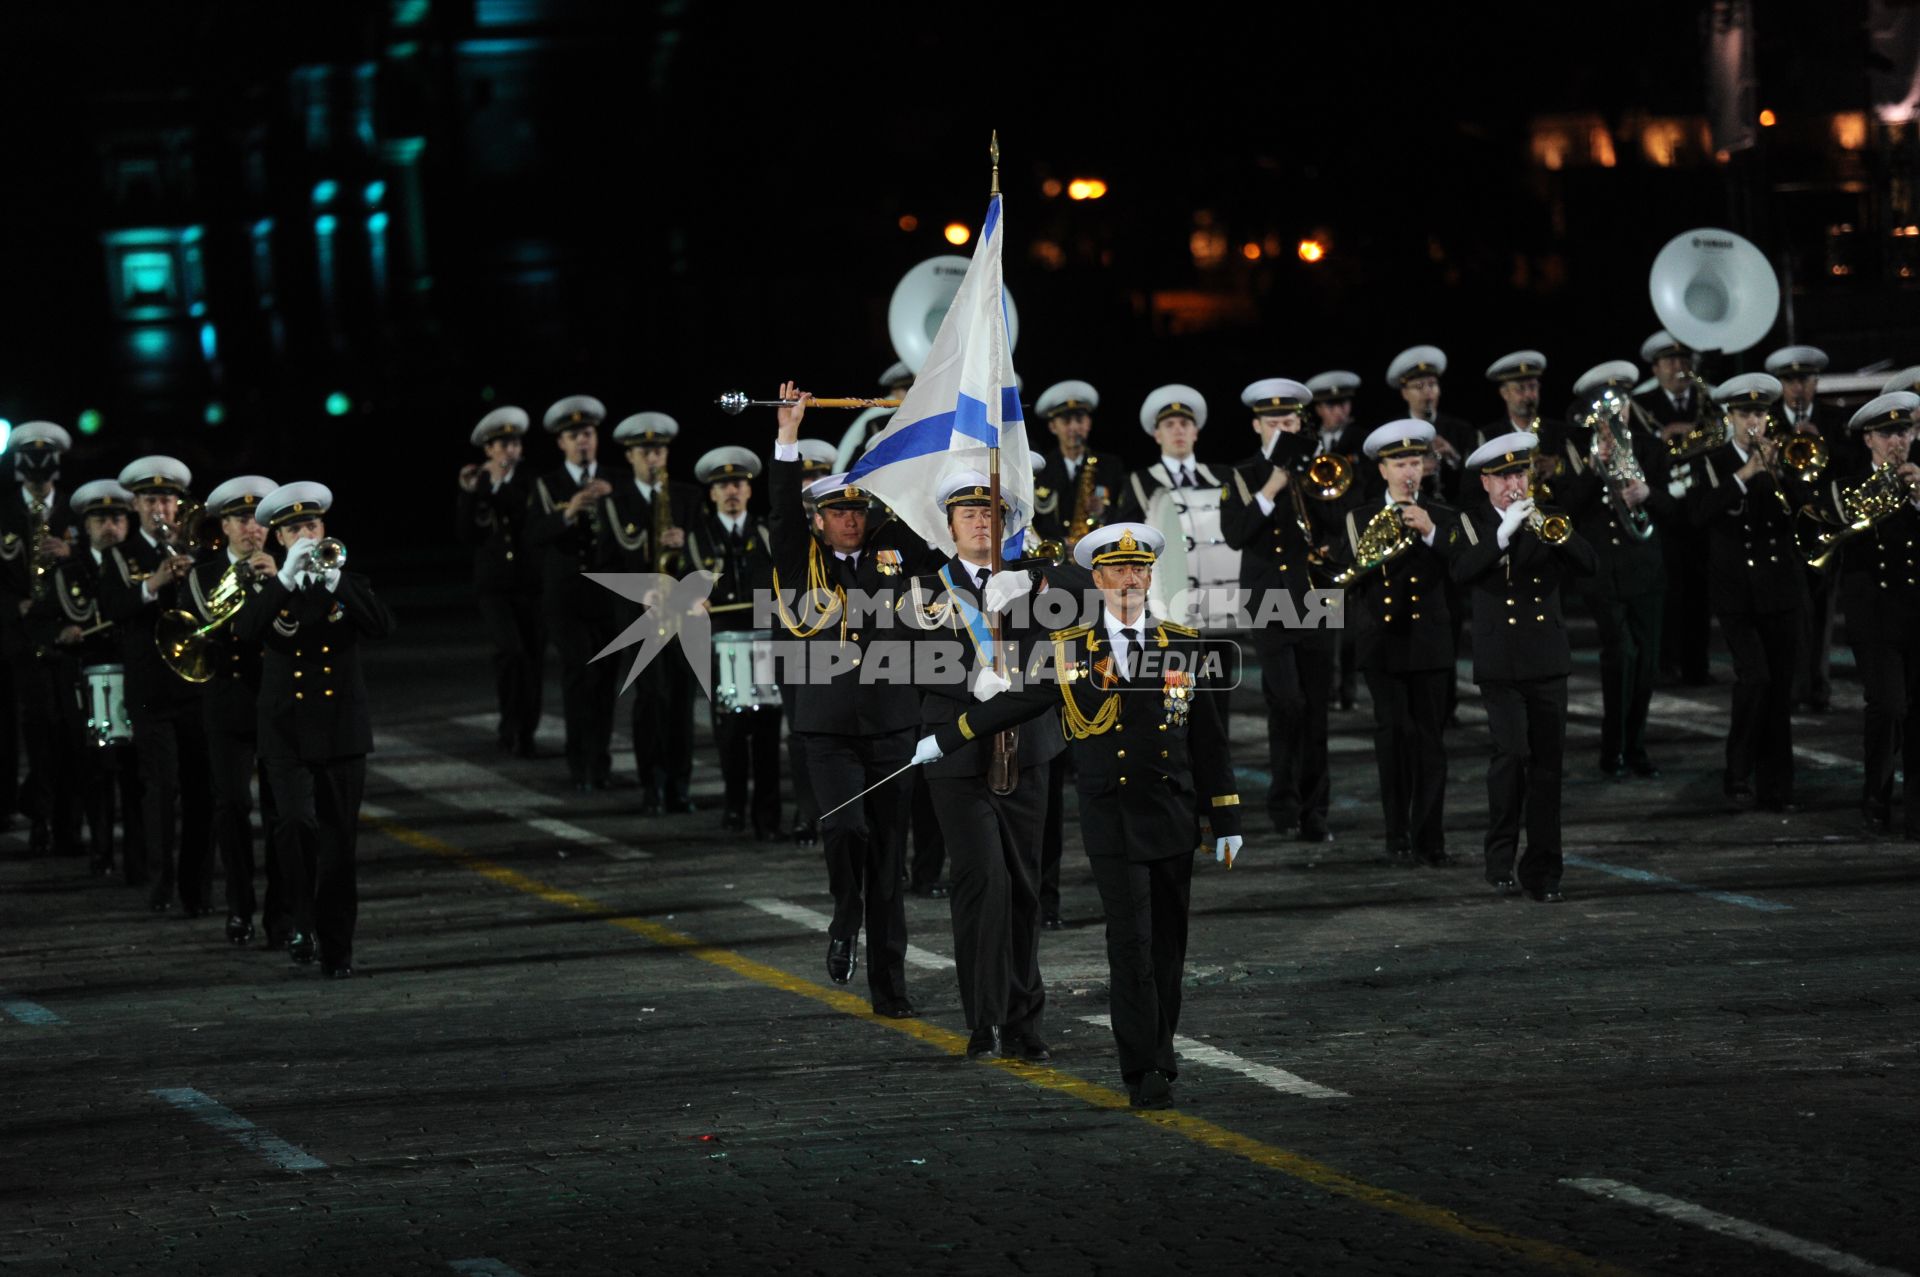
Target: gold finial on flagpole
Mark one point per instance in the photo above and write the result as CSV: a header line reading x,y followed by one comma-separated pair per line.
x,y
994,150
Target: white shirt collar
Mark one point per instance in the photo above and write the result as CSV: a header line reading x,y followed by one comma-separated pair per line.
x,y
98,558
1738,451
581,473
1114,625
973,569
1189,464
499,484
732,523
1072,464
151,539
233,558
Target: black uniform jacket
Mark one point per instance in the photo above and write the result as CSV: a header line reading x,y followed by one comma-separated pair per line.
x,y
1879,573
72,597
941,617
494,525
313,695
1147,764
1055,495
740,568
566,550
233,693
626,516
17,574
1518,632
151,685
1399,613
854,701
1753,566
1274,550
1627,567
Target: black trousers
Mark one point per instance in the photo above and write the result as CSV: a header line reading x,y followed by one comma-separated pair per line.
x,y
749,747
805,810
318,829
1348,677
48,791
1053,832
662,725
1295,679
1630,631
1528,721
1687,620
104,777
863,846
1813,673
170,744
518,637
1146,907
1765,649
1890,673
1409,749
9,744
587,690
235,764
994,843
929,844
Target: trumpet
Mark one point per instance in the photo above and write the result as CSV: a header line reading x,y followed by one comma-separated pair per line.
x,y
735,402
329,555
1555,528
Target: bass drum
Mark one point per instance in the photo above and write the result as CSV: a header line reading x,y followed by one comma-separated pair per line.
x,y
1197,581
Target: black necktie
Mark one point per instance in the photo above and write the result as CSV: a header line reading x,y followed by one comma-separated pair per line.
x,y
980,580
1186,477
1126,657
733,537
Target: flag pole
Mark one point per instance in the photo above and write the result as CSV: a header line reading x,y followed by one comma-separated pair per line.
x,y
1002,770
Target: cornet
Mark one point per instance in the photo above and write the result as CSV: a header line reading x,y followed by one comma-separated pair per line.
x,y
325,557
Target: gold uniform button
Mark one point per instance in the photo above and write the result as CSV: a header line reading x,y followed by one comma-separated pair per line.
x,y
1121,753
324,649
1119,727
509,555
299,674
1537,618
299,696
856,660
329,691
1513,620
1123,780
854,637
1163,753
326,669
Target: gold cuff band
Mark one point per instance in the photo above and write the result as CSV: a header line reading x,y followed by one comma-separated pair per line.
x,y
966,728
1226,800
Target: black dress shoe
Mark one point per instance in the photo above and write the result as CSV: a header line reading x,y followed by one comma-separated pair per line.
x,y
1433,857
1740,794
1315,833
1153,1091
1612,767
1506,887
1399,853
193,910
101,868
935,890
842,960
1784,806
681,806
734,822
901,1010
159,904
1028,1046
276,939
1643,767
805,833
986,1040
523,748
239,930
1546,895
301,948
1053,922
340,971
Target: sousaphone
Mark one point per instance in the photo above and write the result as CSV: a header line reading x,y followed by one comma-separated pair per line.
x,y
1714,290
920,303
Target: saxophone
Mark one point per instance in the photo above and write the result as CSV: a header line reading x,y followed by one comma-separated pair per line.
x,y
1082,522
663,556
36,534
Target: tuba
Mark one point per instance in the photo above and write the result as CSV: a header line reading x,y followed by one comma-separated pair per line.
x,y
183,641
1621,467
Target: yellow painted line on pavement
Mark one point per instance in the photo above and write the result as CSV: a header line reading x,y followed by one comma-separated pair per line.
x,y
1196,1129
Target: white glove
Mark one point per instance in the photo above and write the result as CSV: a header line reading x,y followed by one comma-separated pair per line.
x,y
290,570
1004,587
987,683
926,751
332,579
1225,849
1510,521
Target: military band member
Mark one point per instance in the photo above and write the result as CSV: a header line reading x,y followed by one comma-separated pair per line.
x,y
564,527
1675,406
1071,467
1333,428
1278,530
1798,412
1174,415
1880,595
1626,524
1520,660
816,462
1400,611
36,531
67,629
735,546
144,578
992,839
232,707
1135,697
854,731
1758,587
644,537
314,724
491,519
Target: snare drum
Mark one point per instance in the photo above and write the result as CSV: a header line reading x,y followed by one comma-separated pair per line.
x,y
106,702
743,671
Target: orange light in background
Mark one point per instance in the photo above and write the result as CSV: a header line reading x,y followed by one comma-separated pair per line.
x,y
1312,250
1250,251
1086,188
909,223
957,233
1600,146
1660,142
1768,119
1850,130
1051,188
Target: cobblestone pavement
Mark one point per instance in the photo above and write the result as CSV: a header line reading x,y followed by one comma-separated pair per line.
x,y
587,1043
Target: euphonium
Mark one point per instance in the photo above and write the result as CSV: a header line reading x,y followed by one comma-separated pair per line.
x,y
1082,522
1619,467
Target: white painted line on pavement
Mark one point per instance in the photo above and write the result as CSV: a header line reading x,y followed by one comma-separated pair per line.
x,y
585,837
814,920
1681,715
1674,1208
1265,1074
223,1119
482,1268
1661,880
29,1012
